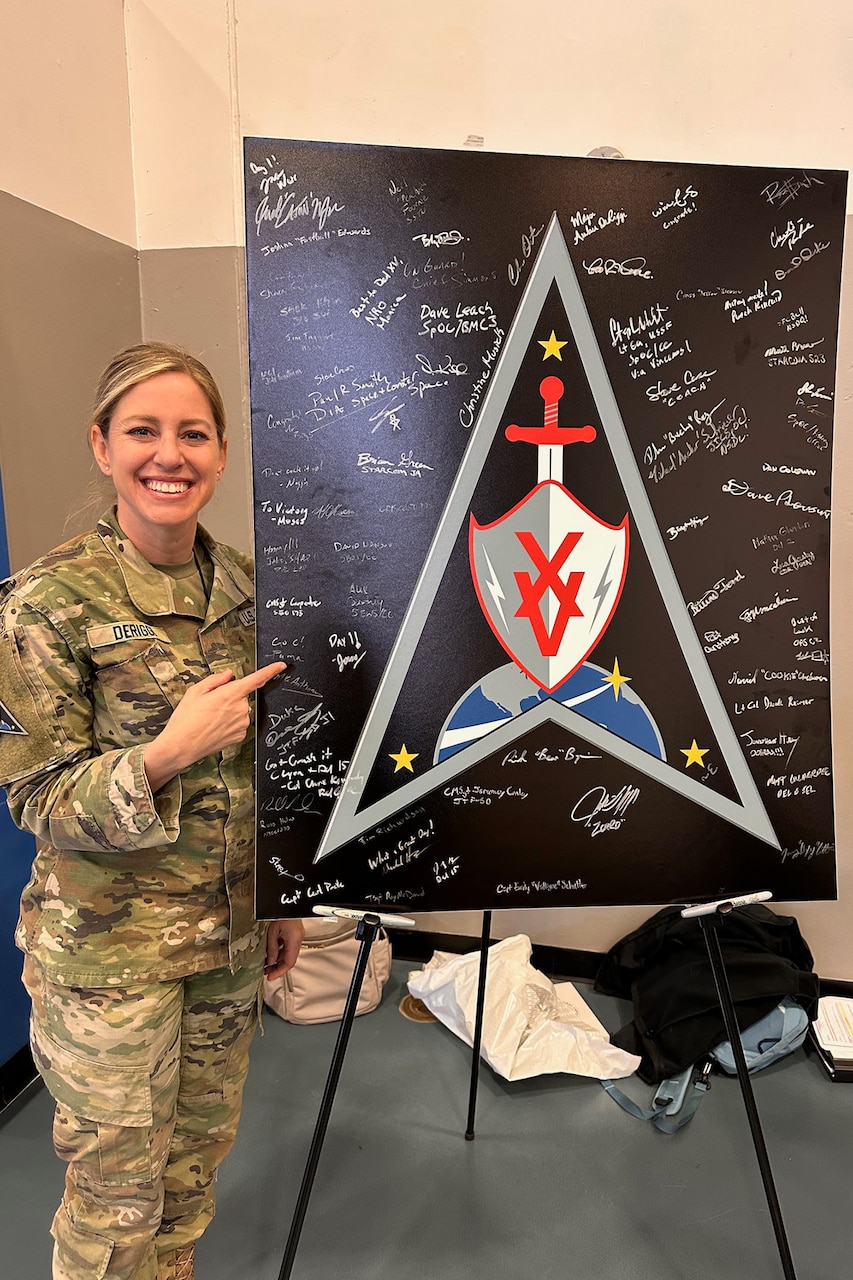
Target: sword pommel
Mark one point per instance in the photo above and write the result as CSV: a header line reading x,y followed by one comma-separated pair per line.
x,y
551,433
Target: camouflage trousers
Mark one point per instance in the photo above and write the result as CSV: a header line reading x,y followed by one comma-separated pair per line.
x,y
148,1081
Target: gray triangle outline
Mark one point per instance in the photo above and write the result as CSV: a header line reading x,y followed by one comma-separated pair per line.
x,y
552,264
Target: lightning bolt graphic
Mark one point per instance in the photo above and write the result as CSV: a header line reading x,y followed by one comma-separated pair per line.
x,y
495,589
601,591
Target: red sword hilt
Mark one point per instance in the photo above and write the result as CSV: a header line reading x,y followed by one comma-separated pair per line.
x,y
551,389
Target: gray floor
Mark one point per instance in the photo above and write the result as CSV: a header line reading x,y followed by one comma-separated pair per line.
x,y
558,1183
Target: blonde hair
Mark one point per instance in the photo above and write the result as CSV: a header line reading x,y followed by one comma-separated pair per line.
x,y
146,360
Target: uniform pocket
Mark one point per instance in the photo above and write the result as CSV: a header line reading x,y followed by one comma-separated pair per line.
x,y
103,1116
238,1057
216,1048
88,1252
137,685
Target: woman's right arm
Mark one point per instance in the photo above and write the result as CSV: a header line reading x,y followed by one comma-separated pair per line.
x,y
65,791
214,713
58,785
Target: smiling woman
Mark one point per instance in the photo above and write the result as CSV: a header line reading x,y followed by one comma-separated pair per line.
x,y
158,431
164,456
126,660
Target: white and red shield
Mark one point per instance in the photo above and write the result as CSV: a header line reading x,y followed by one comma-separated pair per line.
x,y
548,576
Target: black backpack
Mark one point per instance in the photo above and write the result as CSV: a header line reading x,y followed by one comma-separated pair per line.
x,y
663,968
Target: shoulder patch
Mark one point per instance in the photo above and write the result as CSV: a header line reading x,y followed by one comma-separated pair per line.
x,y
118,632
8,723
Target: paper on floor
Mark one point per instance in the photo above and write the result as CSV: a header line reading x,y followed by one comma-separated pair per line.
x,y
530,1027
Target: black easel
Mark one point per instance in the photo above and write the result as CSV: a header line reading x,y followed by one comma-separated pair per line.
x,y
709,920
366,929
478,1023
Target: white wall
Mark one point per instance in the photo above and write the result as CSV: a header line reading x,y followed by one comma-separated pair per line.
x,y
736,82
185,120
733,82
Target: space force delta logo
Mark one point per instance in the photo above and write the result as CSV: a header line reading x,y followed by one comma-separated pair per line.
x,y
548,575
8,722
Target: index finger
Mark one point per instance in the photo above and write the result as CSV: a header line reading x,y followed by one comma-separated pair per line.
x,y
260,677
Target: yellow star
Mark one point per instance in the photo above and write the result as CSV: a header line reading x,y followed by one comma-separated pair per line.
x,y
404,759
616,679
695,754
552,347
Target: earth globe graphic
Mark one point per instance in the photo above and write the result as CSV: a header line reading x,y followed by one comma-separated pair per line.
x,y
507,692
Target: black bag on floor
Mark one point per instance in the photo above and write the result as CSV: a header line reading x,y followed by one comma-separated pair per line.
x,y
663,968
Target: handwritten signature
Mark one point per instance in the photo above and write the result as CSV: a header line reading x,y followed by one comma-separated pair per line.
x,y
438,239
389,415
528,243
610,267
601,810
447,367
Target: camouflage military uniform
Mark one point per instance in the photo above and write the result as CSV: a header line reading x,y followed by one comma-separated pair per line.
x,y
143,958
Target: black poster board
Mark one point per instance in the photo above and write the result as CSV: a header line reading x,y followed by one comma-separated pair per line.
x,y
542,454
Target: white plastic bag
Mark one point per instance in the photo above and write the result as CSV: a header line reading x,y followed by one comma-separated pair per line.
x,y
530,1027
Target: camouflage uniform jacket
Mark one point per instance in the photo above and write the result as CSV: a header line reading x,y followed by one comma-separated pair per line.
x,y
95,654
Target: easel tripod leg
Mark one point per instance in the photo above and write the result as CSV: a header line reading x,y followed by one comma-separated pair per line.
x,y
365,932
478,1022
715,954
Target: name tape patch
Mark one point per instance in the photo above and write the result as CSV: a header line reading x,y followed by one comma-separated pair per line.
x,y
118,632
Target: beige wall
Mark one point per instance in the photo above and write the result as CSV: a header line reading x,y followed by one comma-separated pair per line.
x,y
70,299
67,252
731,83
64,112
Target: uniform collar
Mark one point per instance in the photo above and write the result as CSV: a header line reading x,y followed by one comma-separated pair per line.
x,y
152,592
